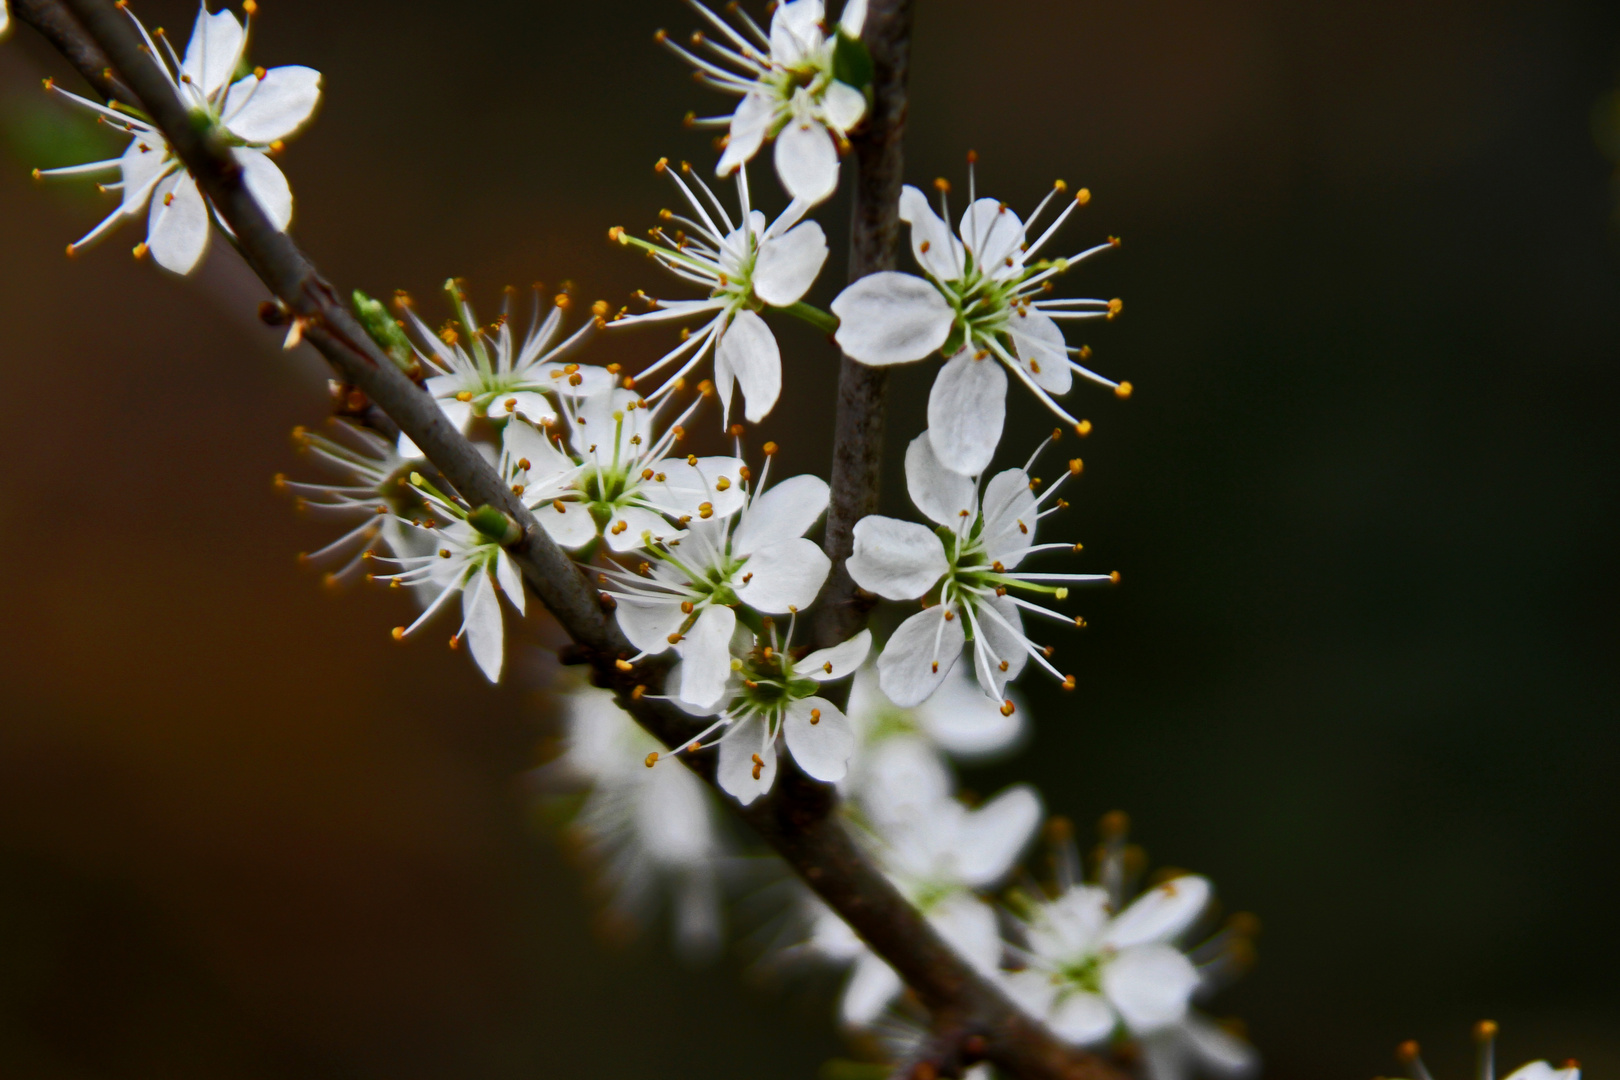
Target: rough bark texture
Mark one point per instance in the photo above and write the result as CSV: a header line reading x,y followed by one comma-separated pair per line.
x,y
797,818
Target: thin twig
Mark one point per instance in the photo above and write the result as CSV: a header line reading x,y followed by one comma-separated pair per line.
x,y
796,819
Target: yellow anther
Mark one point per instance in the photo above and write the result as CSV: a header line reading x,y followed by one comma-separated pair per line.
x,y
1007,707
1123,390
815,716
651,759
1075,466
623,665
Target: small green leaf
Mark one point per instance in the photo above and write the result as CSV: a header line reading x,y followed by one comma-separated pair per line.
x,y
852,63
388,335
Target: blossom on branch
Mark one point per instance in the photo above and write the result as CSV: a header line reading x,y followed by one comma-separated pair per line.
x,y
251,114
375,492
799,84
687,592
966,571
980,303
747,267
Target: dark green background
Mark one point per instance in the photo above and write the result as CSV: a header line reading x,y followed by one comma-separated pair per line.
x,y
1362,671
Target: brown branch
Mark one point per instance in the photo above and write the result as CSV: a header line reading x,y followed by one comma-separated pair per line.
x,y
796,819
874,236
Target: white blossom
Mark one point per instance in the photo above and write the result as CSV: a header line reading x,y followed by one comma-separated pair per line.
x,y
475,370
747,266
686,594
771,697
981,300
374,492
252,115
966,569
653,831
1197,1046
791,89
957,719
631,483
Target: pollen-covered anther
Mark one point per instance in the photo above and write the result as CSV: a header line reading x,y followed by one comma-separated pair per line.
x,y
942,185
706,388
1407,1051
1485,1030
674,639
635,695
1123,390
618,527
1075,466
1001,590
623,665
722,484
1113,577
140,250
398,633
815,716
686,607
651,759
465,396
1082,197
1005,665
759,765
949,615
1060,593
1008,708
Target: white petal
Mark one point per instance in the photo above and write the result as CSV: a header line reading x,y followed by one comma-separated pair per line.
x,y
1150,985
872,985
214,50
919,655
999,642
948,498
795,28
649,625
140,167
891,318
706,656
1071,926
1227,1056
968,925
784,511
1040,347
807,161
994,234
749,350
898,560
1032,990
1540,1070
899,780
531,405
967,408
260,111
638,522
685,488
1082,1018
571,527
993,836
482,610
1161,913
853,18
458,413
786,575
735,771
935,249
967,724
749,126
1009,517
822,745
511,582
843,106
787,265
177,229
267,183
824,665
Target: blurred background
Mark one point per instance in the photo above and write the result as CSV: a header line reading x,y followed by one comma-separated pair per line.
x,y
1362,671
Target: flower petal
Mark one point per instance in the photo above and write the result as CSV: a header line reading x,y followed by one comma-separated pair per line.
x,y
1010,515
749,350
936,250
825,665
807,161
267,183
944,496
993,836
872,985
214,50
1082,1018
688,485
784,576
785,511
531,405
649,625
481,609
748,737
1161,913
852,18
843,106
891,318
511,582
967,408
260,111
967,724
919,655
787,265
899,560
706,656
749,126
571,525
822,743
795,30
1150,985
968,925
1042,350
143,160
999,649
638,523
995,236
177,228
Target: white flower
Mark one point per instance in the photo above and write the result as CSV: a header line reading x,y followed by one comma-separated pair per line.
x,y
939,854
747,266
481,371
957,719
1089,971
1485,1036
1197,1046
654,831
629,485
793,87
685,595
252,115
374,492
463,561
966,569
979,302
770,696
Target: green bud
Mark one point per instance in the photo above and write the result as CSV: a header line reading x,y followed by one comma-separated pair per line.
x,y
384,331
493,523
